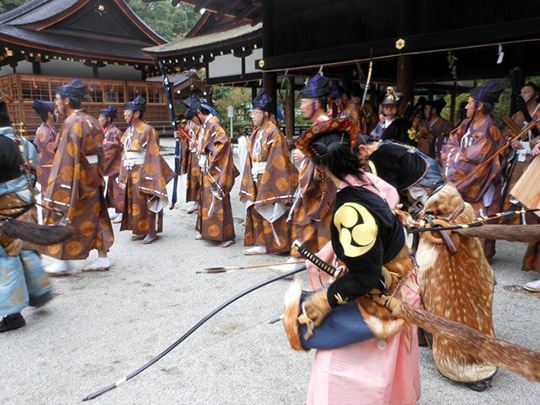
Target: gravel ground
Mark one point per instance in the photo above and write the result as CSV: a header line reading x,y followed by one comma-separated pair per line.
x,y
102,326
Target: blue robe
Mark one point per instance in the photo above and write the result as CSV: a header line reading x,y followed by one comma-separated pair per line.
x,y
22,278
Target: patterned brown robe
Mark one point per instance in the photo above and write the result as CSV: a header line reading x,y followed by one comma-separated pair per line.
x,y
353,111
425,138
313,210
432,135
440,129
76,188
112,148
215,219
144,181
371,118
531,260
190,164
464,152
45,142
266,190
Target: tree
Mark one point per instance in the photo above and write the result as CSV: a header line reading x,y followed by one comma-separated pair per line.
x,y
168,21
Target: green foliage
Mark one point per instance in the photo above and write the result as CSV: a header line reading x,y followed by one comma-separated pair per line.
x,y
170,22
240,99
501,108
451,57
7,5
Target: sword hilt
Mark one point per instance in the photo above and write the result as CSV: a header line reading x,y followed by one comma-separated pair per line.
x,y
317,261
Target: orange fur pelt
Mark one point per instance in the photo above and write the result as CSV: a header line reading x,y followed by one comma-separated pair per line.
x,y
456,287
378,319
484,347
513,233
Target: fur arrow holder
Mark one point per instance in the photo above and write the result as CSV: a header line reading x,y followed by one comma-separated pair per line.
x,y
35,233
513,233
485,348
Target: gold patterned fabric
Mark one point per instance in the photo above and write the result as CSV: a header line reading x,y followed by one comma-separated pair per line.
x,y
264,189
45,142
468,147
352,111
313,213
76,189
215,220
432,135
112,148
531,260
189,164
145,184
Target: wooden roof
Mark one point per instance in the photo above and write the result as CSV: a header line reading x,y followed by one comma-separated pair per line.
x,y
211,37
217,40
92,29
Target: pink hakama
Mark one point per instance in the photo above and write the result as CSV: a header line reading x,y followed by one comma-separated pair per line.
x,y
373,372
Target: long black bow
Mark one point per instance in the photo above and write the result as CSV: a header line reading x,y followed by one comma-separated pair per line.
x,y
172,113
193,329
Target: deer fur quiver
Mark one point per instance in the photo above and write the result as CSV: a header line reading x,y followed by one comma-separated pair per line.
x,y
456,287
378,319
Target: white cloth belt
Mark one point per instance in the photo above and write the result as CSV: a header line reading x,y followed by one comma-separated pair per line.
x,y
203,159
92,159
271,213
487,198
257,168
524,151
132,158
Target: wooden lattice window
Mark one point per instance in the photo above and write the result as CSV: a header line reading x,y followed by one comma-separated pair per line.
x,y
56,84
156,94
35,88
94,92
136,89
113,93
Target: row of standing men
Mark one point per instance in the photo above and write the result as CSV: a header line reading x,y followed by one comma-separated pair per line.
x,y
281,205
406,153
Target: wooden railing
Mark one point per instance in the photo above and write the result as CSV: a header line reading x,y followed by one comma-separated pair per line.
x,y
24,89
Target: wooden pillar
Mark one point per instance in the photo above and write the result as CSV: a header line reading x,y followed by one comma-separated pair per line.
x,y
36,68
405,64
518,61
347,82
210,96
406,79
254,90
453,108
289,114
270,88
269,78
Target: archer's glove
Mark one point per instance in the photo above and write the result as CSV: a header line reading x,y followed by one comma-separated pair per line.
x,y
317,307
